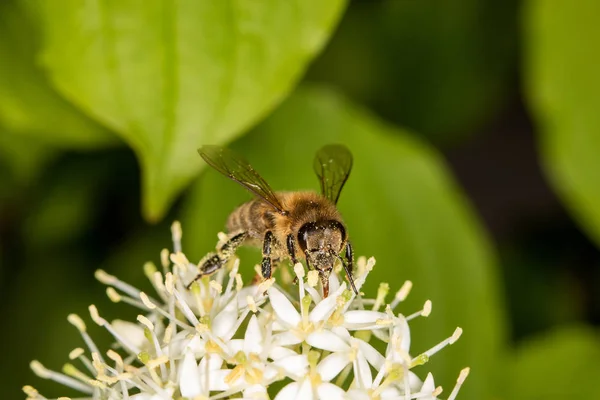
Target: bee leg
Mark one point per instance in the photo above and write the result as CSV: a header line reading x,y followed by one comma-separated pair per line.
x,y
265,265
349,266
291,248
216,261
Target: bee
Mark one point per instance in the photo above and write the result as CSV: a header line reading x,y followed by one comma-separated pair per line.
x,y
294,225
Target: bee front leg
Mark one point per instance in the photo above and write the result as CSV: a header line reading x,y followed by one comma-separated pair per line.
x,y
219,259
265,265
349,265
291,248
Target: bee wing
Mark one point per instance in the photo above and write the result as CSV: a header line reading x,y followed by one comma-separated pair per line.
x,y
332,165
236,168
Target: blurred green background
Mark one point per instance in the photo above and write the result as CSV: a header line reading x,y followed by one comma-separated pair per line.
x,y
475,130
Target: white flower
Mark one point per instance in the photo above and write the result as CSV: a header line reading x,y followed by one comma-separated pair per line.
x,y
220,338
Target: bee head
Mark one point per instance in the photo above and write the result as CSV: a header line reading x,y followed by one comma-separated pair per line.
x,y
321,243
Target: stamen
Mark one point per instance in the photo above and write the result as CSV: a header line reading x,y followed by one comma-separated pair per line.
x,y
113,295
313,278
459,382
120,338
444,343
164,259
402,294
176,234
57,377
75,353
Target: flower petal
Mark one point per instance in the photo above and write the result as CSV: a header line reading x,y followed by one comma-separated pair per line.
x,y
224,322
330,392
287,338
332,365
294,366
325,307
372,355
256,392
305,391
357,394
289,392
277,352
283,308
327,340
362,372
190,384
211,362
134,333
253,338
359,319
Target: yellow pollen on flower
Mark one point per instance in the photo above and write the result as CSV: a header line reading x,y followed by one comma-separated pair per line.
x,y
239,284
95,315
77,322
157,361
146,300
176,232
251,304
217,286
149,269
113,295
254,376
69,369
266,284
426,309
116,357
383,322
456,335
164,258
235,374
179,259
169,284
105,278
146,322
39,369
168,334
97,363
212,347
30,391
96,383
313,278
75,353
438,390
402,294
202,328
382,291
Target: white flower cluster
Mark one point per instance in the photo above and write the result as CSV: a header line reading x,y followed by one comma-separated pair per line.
x,y
221,339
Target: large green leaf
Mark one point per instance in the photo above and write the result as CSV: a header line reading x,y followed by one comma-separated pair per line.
x,y
400,206
560,365
440,67
29,106
563,86
169,76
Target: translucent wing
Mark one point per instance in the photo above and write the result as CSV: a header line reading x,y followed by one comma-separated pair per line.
x,y
236,168
332,165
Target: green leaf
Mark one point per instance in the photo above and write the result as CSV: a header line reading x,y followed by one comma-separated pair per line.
x,y
563,86
29,106
440,67
562,364
171,77
23,157
400,206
